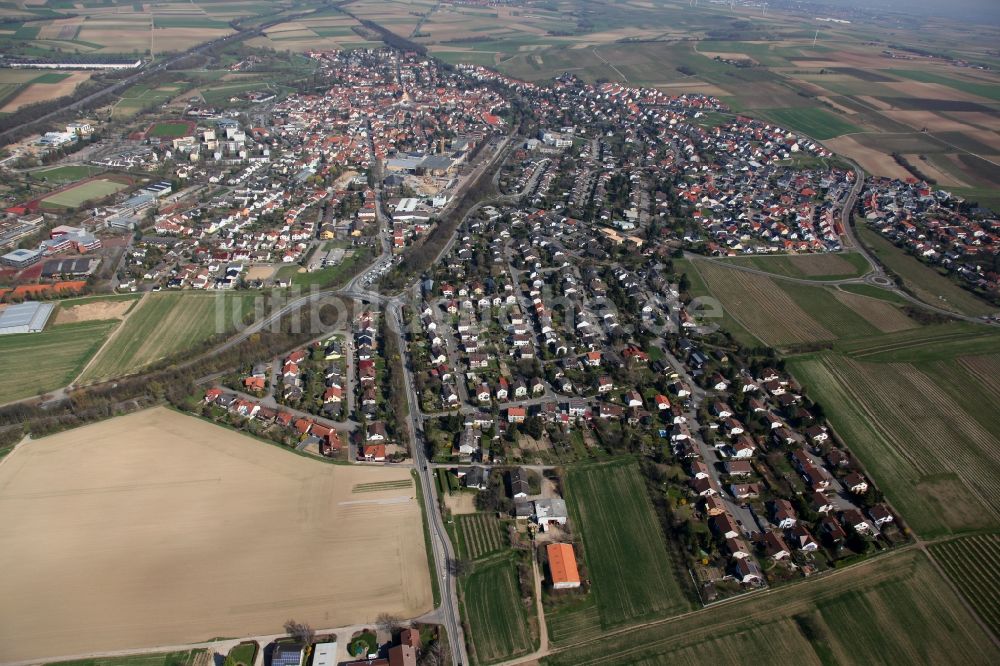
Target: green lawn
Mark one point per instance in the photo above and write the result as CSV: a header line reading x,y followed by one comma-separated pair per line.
x,y
243,653
816,122
498,622
166,324
632,573
38,362
169,129
874,292
925,282
89,191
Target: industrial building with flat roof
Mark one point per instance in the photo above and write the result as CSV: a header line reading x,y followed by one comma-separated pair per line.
x,y
21,258
27,317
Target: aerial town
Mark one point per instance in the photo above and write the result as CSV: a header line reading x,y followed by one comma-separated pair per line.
x,y
418,360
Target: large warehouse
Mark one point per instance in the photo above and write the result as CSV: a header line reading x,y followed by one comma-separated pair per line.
x,y
25,317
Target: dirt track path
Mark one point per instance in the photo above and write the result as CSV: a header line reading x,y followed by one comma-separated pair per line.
x,y
110,339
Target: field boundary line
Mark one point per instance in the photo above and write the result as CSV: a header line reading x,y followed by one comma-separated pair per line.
x,y
114,334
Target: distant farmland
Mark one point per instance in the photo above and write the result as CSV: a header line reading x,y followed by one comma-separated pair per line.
x,y
627,561
163,325
891,609
939,464
814,122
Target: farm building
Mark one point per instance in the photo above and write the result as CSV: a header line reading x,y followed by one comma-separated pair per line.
x,y
27,317
562,566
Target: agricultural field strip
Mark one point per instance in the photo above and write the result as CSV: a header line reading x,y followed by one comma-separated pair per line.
x,y
876,392
495,615
880,576
479,535
758,304
971,563
954,457
624,545
381,485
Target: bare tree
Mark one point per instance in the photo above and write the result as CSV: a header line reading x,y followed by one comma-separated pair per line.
x,y
388,623
458,567
301,631
435,654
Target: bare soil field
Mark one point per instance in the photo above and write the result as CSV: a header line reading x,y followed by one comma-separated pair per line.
x,y
261,272
870,159
159,528
460,503
41,92
882,315
99,311
874,101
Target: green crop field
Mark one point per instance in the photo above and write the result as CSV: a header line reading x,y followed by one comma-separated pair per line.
x,y
497,621
987,90
971,563
90,191
180,658
164,325
924,281
168,129
479,535
66,174
915,430
38,362
809,266
891,609
632,574
815,122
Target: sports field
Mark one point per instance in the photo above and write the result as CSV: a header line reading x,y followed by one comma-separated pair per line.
x,y
169,129
491,600
891,609
631,572
91,190
94,560
66,174
935,454
971,563
37,362
163,325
